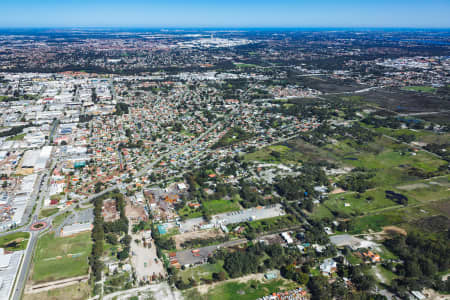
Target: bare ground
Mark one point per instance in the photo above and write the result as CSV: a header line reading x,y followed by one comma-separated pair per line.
x,y
202,234
203,289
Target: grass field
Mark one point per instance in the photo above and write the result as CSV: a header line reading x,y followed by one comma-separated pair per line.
x,y
382,275
421,88
423,136
321,212
390,163
79,291
390,160
58,258
240,65
358,205
60,218
433,192
48,212
266,225
188,212
213,207
377,222
275,154
243,291
15,241
203,271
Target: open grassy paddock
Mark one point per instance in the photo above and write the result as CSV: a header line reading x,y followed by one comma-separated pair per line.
x,y
390,163
61,257
358,204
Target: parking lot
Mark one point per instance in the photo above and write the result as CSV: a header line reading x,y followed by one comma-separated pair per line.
x,y
250,214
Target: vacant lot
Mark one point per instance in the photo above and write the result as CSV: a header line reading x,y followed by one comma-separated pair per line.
x,y
202,234
79,291
58,258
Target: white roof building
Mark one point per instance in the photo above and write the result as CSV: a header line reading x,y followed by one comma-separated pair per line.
x,y
75,228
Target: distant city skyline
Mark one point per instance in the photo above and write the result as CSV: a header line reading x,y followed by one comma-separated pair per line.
x,y
233,13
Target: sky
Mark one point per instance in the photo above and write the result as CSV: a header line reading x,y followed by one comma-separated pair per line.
x,y
223,13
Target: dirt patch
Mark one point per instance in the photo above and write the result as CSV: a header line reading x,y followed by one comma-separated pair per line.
x,y
202,234
433,295
337,191
78,291
135,213
391,230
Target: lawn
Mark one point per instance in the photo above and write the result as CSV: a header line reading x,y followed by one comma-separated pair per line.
x,y
243,291
61,257
420,88
48,212
203,271
15,241
213,207
189,213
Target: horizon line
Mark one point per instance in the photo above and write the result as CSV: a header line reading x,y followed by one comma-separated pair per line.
x,y
217,27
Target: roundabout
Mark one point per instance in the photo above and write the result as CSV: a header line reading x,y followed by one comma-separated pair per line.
x,y
38,226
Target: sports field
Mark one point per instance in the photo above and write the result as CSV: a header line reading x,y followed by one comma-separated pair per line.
x,y
61,257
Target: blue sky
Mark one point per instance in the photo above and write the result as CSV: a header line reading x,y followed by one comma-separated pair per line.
x,y
232,13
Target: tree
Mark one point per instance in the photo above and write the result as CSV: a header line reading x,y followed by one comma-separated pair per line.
x,y
112,239
219,276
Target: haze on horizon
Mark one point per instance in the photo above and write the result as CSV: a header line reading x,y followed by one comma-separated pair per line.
x,y
232,13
